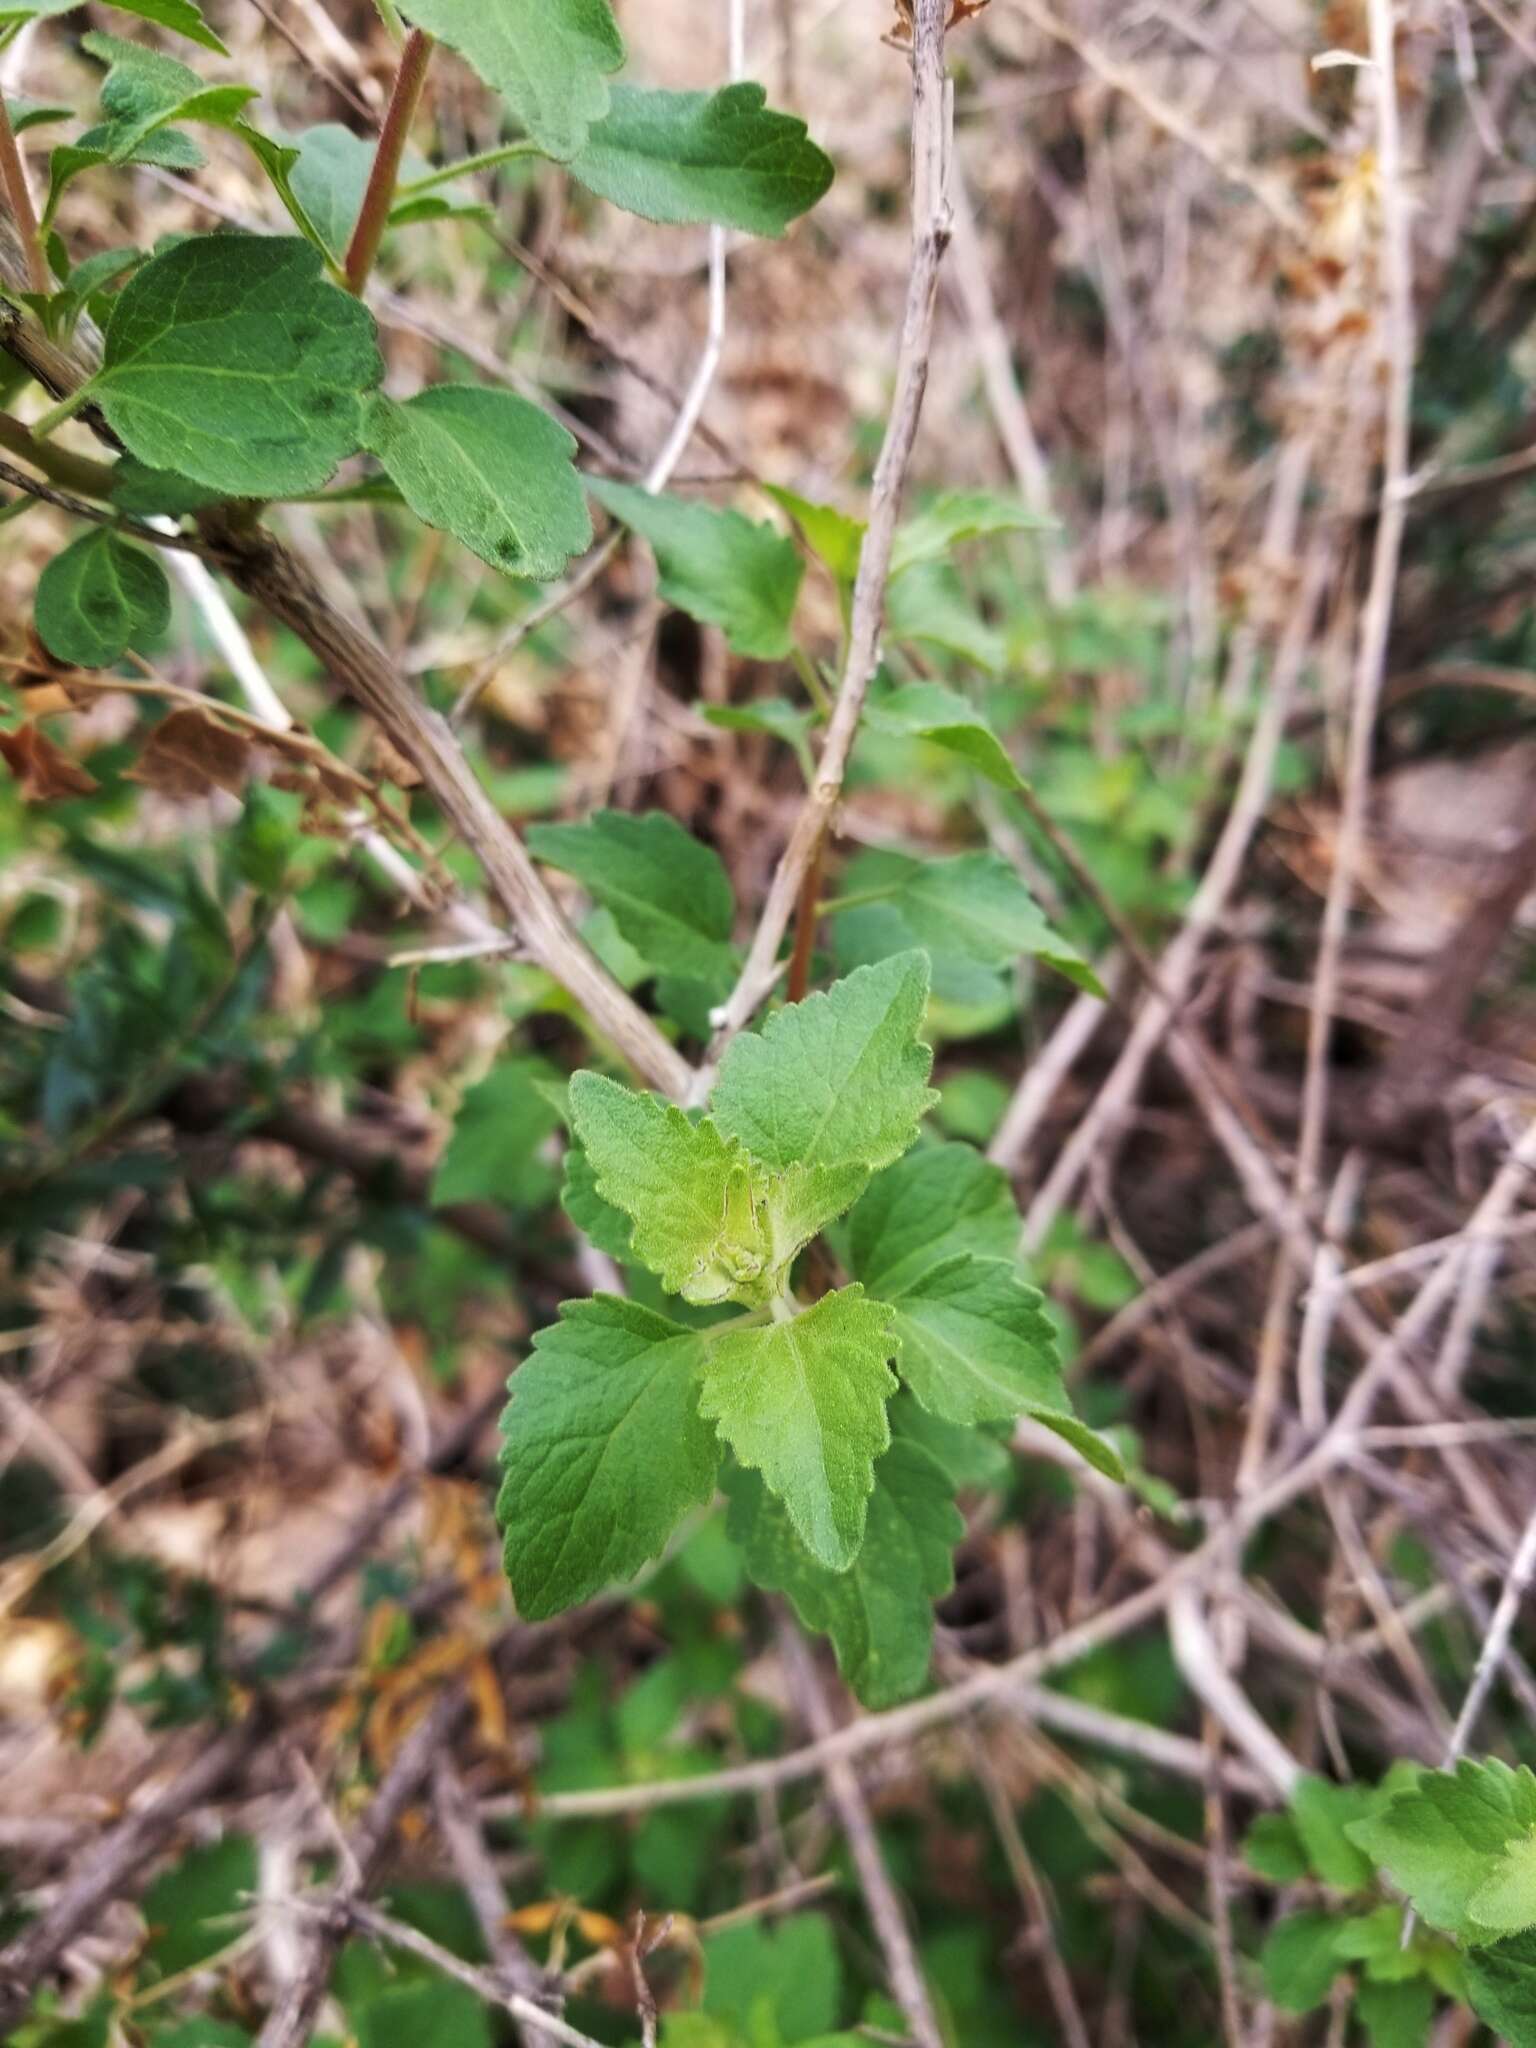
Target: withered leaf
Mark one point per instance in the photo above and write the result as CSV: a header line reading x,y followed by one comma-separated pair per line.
x,y
960,11
44,771
190,754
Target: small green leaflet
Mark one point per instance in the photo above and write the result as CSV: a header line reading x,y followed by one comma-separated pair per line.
x,y
878,1613
231,361
493,1155
1396,2014
928,605
1300,1960
953,517
604,1226
837,1080
604,1452
775,716
803,1402
774,1981
179,16
549,59
687,1188
1323,1813
939,1200
837,539
98,598
1445,1839
488,467
667,893
683,157
1501,1988
931,711
188,1908
716,566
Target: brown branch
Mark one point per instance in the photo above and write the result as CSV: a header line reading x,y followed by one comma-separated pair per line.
x,y
384,175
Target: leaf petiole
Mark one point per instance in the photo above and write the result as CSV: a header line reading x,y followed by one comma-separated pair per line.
x,y
487,160
64,410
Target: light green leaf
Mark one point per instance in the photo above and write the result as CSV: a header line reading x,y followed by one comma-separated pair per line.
x,y
930,711
1323,1812
683,157
973,906
1441,1840
667,893
837,1080
604,1226
954,517
928,605
604,1451
879,1612
1501,1988
493,1155
716,566
328,178
803,1402
688,1189
231,361
1274,1849
101,596
549,59
939,1200
790,1971
799,1202
1505,1902
1396,2015
831,534
487,467
1376,1939
180,16
1300,1962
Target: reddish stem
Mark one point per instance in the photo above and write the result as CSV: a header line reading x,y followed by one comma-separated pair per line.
x,y
805,925
385,174
18,198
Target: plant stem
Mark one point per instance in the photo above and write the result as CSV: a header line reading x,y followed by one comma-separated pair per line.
x,y
59,465
806,918
18,198
66,408
382,179
487,160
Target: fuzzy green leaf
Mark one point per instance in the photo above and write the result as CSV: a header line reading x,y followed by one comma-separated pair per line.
x,y
549,59
953,517
803,1402
1501,1988
837,1080
493,1155
1300,1961
179,16
145,493
98,598
684,157
1505,1902
487,467
604,1451
932,712
603,1225
973,907
688,1189
1441,1840
716,566
938,1201
879,1612
667,893
831,534
230,360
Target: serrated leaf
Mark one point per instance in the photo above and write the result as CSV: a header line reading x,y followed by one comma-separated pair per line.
x,y
179,16
488,467
837,1080
604,1454
937,1201
99,597
1501,1988
603,1225
1443,1838
930,711
1299,1961
957,516
1505,1902
688,1190
493,1155
879,1612
803,1403
667,892
231,361
716,566
837,539
549,59
686,157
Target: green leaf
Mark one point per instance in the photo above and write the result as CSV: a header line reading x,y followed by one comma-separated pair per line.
x,y
688,1189
1396,2015
101,596
775,716
179,16
971,1458
667,893
831,534
487,467
879,1612
191,1909
791,1971
1442,1839
1501,1988
145,493
27,113
1273,1848
939,1200
549,59
1322,1812
1505,1902
604,1454
716,566
433,2013
493,1155
231,361
973,906
604,1226
1300,1962
1376,1939
930,711
954,517
803,1402
929,605
837,1080
328,178
684,157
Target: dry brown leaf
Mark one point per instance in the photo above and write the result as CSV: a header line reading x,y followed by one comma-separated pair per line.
x,y
960,11
44,771
191,754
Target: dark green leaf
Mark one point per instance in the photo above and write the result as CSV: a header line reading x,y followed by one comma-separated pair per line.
x,y
549,59
98,598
